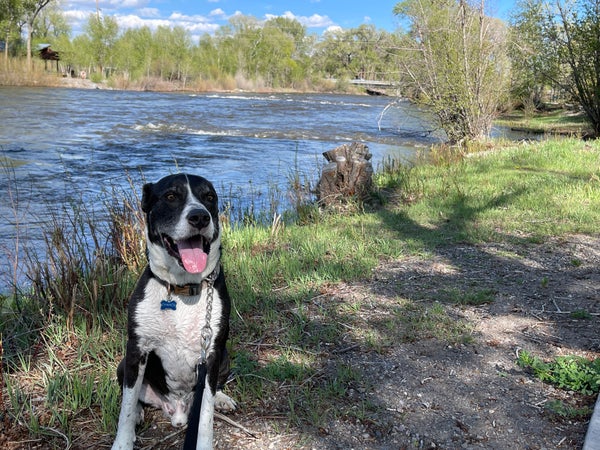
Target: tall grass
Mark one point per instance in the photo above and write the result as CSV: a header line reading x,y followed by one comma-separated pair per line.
x,y
15,72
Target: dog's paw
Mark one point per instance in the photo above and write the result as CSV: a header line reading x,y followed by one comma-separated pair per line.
x,y
224,403
139,414
123,443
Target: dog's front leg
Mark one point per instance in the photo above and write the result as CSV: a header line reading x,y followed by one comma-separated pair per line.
x,y
132,384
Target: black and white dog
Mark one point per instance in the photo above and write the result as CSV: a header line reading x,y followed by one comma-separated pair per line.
x,y
178,315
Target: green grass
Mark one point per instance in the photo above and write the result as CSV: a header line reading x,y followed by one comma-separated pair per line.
x,y
553,122
283,280
531,191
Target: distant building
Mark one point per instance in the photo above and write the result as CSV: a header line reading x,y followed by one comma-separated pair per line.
x,y
47,54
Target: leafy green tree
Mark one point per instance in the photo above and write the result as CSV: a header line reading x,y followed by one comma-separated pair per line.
x,y
455,63
31,9
171,48
334,55
133,53
364,58
570,34
362,52
51,24
11,15
103,33
288,38
532,68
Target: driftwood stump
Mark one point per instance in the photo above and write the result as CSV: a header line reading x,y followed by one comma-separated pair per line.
x,y
349,174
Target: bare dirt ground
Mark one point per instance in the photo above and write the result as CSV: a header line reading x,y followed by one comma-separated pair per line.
x,y
431,395
423,392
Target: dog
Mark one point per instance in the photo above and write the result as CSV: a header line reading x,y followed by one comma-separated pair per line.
x,y
178,315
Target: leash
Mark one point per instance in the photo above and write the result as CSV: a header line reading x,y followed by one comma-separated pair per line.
x,y
206,331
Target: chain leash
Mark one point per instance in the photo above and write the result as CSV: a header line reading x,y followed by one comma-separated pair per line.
x,y
206,332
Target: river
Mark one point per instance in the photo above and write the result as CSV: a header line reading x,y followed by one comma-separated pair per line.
x,y
75,145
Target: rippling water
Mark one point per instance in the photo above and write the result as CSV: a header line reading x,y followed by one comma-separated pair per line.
x,y
74,144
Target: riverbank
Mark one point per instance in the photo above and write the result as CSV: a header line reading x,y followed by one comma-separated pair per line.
x,y
22,78
397,326
557,122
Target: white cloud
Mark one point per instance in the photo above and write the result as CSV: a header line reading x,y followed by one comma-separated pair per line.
x,y
197,26
133,21
76,15
217,13
367,19
149,12
178,17
119,4
314,21
333,29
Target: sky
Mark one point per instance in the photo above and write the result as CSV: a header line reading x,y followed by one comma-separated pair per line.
x,y
206,16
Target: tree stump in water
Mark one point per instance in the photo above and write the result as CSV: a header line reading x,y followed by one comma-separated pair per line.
x,y
349,174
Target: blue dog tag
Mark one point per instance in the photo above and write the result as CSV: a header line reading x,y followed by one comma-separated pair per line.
x,y
168,304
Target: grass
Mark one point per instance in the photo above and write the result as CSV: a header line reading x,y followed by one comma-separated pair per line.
x,y
63,337
558,122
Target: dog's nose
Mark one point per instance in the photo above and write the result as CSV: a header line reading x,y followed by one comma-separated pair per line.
x,y
198,218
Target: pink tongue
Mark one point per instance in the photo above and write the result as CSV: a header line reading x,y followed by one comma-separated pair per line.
x,y
193,257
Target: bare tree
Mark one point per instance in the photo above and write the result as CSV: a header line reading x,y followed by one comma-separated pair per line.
x,y
455,62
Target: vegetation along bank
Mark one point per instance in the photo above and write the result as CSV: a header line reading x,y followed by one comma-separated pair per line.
x,y
454,277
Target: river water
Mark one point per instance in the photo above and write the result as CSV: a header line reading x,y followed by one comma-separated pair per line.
x,y
74,145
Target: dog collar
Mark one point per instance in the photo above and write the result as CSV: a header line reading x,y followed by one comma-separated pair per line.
x,y
188,290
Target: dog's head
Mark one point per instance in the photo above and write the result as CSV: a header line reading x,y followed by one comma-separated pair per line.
x,y
182,228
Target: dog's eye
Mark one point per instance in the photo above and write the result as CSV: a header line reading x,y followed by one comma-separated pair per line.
x,y
210,197
171,197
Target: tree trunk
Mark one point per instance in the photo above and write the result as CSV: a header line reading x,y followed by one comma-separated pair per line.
x,y
349,174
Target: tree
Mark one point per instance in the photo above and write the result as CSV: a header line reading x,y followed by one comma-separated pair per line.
x,y
10,14
454,62
32,8
532,68
103,32
570,32
51,24
334,54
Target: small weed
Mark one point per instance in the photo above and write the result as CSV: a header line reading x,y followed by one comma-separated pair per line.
x,y
469,297
566,411
581,314
567,372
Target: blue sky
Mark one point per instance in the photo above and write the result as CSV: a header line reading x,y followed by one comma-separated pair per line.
x,y
206,16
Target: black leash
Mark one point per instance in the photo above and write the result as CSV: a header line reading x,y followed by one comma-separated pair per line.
x,y
191,435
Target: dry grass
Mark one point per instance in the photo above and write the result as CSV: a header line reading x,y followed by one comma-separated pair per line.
x,y
14,72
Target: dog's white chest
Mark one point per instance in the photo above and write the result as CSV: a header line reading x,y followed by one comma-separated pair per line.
x,y
174,333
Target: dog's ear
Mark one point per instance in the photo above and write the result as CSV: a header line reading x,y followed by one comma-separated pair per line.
x,y
148,197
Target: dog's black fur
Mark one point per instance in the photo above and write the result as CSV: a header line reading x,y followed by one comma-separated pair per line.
x,y
164,344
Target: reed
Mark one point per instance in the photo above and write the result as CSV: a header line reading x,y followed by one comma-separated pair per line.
x,y
14,72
